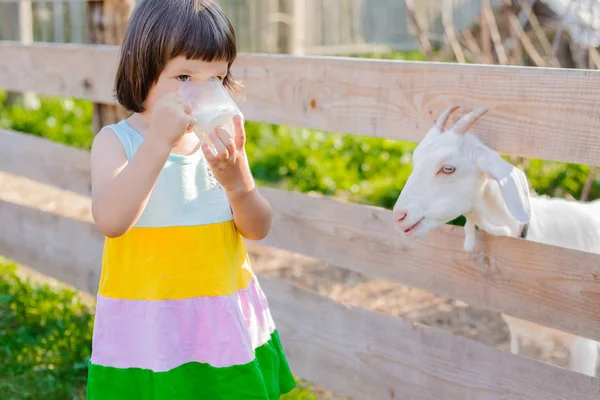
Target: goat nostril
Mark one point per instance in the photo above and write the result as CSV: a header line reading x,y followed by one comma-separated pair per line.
x,y
400,216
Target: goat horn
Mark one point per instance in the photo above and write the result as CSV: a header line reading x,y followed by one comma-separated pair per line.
x,y
443,118
463,125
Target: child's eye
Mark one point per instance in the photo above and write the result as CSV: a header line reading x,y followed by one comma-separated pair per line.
x,y
183,78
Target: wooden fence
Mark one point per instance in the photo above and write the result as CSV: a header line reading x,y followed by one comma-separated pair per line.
x,y
543,113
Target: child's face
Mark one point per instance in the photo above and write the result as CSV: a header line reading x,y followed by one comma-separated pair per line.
x,y
177,71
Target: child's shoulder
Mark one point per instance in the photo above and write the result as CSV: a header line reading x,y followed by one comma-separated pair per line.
x,y
117,129
107,142
106,135
114,138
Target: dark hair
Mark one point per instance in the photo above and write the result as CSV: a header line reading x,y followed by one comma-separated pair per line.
x,y
160,30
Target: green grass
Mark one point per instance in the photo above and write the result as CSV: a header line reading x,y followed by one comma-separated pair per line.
x,y
45,336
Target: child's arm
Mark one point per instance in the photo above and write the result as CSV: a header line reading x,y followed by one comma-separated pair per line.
x,y
120,189
251,211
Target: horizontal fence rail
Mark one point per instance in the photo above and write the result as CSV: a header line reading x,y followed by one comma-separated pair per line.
x,y
543,113
550,285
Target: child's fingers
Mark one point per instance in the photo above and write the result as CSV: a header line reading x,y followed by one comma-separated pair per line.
x,y
222,153
210,157
228,142
240,133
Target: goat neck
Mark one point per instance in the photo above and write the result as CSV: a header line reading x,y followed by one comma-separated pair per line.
x,y
491,215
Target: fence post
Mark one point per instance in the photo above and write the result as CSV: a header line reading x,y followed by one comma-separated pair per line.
x,y
107,20
58,19
23,32
77,15
292,40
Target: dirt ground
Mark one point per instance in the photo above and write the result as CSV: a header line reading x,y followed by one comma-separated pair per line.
x,y
342,285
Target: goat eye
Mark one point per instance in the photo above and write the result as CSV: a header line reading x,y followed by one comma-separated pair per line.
x,y
448,169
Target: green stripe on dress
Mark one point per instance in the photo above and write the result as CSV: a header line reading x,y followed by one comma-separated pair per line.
x,y
265,378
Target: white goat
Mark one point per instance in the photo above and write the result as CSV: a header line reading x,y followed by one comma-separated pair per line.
x,y
455,174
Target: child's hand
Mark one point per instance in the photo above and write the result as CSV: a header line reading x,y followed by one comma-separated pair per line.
x,y
230,165
171,118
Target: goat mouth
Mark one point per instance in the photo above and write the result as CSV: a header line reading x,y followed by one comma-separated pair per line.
x,y
409,231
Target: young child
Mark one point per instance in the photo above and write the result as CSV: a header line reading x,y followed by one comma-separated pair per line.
x,y
180,314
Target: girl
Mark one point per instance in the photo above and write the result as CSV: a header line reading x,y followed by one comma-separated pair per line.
x,y
180,314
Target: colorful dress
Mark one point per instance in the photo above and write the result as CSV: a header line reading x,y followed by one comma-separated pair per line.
x,y
180,315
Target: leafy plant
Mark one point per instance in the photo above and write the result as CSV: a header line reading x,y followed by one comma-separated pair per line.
x,y
60,119
45,339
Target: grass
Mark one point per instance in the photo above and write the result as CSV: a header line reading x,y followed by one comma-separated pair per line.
x,y
44,335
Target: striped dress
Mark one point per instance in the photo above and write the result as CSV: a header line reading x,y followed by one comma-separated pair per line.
x,y
180,314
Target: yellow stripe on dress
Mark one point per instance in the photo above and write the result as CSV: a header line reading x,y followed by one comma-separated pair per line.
x,y
175,263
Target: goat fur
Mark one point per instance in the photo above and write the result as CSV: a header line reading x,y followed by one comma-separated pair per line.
x,y
558,222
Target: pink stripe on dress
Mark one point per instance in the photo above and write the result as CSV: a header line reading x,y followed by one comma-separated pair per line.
x,y
163,334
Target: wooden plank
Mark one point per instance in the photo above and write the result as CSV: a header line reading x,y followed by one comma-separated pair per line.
x,y
317,27
58,21
549,285
345,27
350,350
273,25
45,161
297,31
330,18
60,69
44,16
357,10
535,112
68,250
254,27
21,24
373,356
25,22
77,16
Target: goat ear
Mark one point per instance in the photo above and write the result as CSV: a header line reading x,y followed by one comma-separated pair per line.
x,y
512,181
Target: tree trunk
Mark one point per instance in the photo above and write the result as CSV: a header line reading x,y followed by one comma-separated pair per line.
x,y
107,20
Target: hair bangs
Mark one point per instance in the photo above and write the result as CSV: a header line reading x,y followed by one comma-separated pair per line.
x,y
204,33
